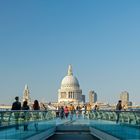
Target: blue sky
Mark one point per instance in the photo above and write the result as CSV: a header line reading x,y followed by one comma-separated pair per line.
x,y
39,39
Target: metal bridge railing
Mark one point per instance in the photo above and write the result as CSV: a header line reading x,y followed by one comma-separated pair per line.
x,y
24,124
129,117
120,124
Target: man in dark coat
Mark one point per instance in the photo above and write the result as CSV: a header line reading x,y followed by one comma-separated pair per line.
x,y
16,106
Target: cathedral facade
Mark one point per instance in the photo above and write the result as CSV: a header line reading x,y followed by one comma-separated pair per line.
x,y
70,91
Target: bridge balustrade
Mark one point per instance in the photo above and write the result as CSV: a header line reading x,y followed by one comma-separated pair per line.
x,y
13,123
24,124
130,117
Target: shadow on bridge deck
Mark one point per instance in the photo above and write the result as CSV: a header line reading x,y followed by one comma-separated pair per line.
x,y
72,136
73,130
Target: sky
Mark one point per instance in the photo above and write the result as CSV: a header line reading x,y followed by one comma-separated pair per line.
x,y
39,39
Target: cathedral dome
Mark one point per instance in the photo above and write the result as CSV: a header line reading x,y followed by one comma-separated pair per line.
x,y
70,91
69,80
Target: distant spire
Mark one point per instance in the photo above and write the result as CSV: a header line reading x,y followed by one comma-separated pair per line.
x,y
70,70
26,87
26,94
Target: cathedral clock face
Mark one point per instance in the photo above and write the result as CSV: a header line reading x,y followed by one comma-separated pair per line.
x,y
63,94
26,94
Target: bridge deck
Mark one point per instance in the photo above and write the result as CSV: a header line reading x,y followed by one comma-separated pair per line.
x,y
72,137
79,128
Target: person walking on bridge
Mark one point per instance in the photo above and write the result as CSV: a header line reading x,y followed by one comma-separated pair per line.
x,y
25,115
72,109
66,111
118,109
36,107
16,107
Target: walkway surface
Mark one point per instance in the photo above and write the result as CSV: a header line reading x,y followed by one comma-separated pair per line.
x,y
72,137
77,129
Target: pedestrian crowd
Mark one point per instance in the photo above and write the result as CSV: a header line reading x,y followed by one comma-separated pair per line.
x,y
62,112
21,112
79,111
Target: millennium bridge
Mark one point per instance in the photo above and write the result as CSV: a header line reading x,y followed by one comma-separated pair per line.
x,y
92,125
